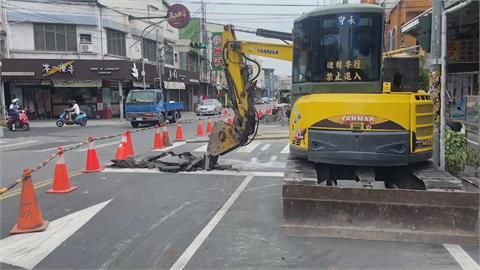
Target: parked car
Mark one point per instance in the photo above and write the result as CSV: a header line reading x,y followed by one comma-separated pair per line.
x,y
209,106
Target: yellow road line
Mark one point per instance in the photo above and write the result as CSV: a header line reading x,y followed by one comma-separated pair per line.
x,y
37,185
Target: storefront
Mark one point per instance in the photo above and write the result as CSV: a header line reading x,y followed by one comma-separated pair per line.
x,y
180,85
44,86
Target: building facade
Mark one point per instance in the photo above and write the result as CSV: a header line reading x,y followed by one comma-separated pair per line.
x,y
87,51
398,14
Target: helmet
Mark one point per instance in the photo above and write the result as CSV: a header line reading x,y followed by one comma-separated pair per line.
x,y
15,100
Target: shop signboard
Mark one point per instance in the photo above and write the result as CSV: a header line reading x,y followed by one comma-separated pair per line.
x,y
463,51
178,16
217,53
64,67
180,75
75,70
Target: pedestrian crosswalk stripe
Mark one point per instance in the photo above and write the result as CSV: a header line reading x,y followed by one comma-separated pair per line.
x,y
286,149
265,147
249,147
202,148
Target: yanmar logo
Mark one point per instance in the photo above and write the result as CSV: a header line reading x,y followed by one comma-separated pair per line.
x,y
358,118
266,51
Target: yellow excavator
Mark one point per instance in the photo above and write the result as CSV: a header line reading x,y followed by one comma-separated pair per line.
x,y
361,133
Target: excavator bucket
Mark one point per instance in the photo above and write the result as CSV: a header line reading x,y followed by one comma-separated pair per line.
x,y
441,212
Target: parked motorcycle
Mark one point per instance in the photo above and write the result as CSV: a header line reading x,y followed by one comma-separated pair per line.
x,y
64,119
22,122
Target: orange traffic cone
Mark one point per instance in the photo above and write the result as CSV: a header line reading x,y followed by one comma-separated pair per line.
x,y
225,111
30,217
209,126
260,113
179,135
200,128
269,111
61,180
129,144
122,151
229,121
93,164
157,140
165,137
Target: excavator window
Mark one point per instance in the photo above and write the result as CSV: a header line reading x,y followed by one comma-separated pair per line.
x,y
338,48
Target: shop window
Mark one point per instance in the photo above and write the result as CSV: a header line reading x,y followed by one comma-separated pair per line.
x,y
116,42
55,37
149,47
85,38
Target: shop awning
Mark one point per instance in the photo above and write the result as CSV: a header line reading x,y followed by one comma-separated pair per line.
x,y
83,83
174,85
412,26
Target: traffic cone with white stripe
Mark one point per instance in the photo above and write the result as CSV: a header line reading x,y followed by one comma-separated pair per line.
x,y
200,128
179,135
129,144
166,137
61,180
122,151
93,163
209,126
30,217
157,140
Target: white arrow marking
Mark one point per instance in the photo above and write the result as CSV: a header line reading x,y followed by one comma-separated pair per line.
x,y
27,250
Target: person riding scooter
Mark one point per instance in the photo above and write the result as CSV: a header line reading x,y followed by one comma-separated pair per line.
x,y
74,110
14,111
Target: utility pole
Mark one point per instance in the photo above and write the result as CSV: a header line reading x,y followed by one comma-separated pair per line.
x,y
3,23
120,92
204,40
435,66
157,59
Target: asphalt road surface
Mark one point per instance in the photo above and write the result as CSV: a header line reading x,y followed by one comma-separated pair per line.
x,y
136,219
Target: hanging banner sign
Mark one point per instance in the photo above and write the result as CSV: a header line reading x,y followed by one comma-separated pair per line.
x,y
217,53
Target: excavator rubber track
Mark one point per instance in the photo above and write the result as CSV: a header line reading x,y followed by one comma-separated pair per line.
x,y
430,206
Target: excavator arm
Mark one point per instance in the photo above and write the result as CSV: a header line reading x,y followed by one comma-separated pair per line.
x,y
241,91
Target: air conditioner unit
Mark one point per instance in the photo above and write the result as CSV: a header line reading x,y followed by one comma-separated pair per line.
x,y
86,47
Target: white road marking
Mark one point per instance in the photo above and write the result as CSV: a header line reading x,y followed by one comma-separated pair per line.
x,y
98,146
175,144
128,170
273,158
249,147
265,147
462,257
27,250
16,144
202,148
286,149
472,142
202,236
212,172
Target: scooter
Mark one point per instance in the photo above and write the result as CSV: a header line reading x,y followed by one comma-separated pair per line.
x,y
22,122
64,119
